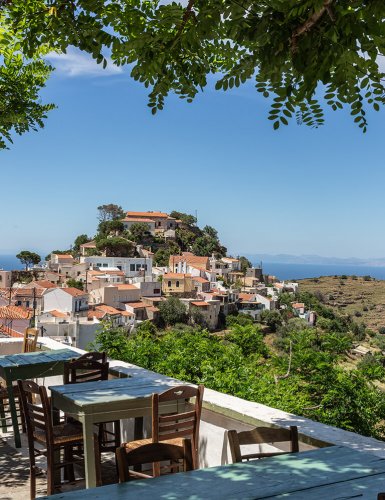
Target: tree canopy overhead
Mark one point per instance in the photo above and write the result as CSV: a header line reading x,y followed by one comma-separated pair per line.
x,y
288,48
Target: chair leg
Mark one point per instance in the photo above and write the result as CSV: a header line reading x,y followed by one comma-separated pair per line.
x,y
69,468
32,480
50,473
2,416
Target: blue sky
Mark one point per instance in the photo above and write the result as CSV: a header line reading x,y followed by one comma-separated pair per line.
x,y
296,190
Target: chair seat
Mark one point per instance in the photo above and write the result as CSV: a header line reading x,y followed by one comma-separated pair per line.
x,y
132,445
62,434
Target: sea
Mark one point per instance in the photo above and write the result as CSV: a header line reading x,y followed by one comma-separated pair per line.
x,y
281,271
301,271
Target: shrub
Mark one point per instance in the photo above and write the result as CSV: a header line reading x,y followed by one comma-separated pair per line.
x,y
381,330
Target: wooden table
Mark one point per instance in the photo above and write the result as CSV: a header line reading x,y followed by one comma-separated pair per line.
x,y
31,365
329,473
109,400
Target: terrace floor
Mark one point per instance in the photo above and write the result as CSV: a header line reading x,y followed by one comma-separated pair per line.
x,y
14,477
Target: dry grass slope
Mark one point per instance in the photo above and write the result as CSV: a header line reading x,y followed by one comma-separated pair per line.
x,y
362,299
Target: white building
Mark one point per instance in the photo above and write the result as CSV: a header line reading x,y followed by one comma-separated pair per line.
x,y
67,300
131,266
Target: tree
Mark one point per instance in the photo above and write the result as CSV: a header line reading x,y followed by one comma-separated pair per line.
x,y
290,49
116,247
211,232
139,231
245,264
110,227
273,319
110,212
80,240
187,219
28,258
75,284
172,311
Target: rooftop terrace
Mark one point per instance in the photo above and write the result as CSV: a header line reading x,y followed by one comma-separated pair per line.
x,y
221,412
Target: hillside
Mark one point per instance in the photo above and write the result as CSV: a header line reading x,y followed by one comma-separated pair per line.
x,y
362,298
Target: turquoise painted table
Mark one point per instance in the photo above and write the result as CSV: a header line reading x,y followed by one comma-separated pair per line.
x,y
31,365
109,400
329,473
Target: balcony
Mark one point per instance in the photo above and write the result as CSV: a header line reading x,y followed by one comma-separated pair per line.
x,y
221,413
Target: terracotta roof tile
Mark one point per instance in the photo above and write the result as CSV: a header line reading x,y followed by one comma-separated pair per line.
x,y
75,292
147,214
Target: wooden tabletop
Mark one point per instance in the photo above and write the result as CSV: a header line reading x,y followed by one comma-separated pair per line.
x,y
31,358
329,473
109,395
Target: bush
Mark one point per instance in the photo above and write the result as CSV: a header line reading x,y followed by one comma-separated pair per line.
x,y
381,330
367,278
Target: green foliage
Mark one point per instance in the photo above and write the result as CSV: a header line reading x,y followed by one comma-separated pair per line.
x,y
75,284
116,247
162,255
28,258
110,212
245,264
289,49
249,338
187,219
110,227
172,311
22,77
80,240
272,319
139,231
381,330
372,367
242,365
206,245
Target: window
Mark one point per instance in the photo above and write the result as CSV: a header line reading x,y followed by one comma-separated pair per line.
x,y
177,284
119,267
132,267
138,267
156,290
105,264
169,284
99,264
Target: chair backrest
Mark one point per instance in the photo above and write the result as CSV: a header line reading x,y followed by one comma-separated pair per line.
x,y
261,435
37,416
30,339
179,458
179,424
90,367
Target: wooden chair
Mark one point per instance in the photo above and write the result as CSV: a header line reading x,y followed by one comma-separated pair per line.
x,y
261,435
30,339
178,458
49,440
5,414
92,367
172,428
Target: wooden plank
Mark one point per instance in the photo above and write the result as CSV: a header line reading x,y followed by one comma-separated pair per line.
x,y
288,474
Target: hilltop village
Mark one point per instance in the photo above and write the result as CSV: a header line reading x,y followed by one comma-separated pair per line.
x,y
136,262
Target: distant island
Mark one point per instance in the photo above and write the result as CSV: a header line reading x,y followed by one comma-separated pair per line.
x,y
315,260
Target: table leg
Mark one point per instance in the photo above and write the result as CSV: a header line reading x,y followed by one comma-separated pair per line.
x,y
89,453
138,428
2,416
12,408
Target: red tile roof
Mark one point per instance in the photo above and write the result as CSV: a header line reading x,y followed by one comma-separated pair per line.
x,y
176,276
14,312
41,284
189,258
147,214
126,287
75,292
200,303
200,280
136,305
63,256
57,314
